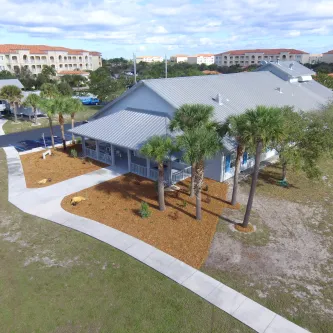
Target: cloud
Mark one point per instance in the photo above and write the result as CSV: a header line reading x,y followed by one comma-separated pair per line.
x,y
179,24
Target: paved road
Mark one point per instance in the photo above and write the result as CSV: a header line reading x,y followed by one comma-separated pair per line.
x,y
32,139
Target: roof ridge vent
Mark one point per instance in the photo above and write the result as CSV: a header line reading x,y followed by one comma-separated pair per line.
x,y
218,99
279,90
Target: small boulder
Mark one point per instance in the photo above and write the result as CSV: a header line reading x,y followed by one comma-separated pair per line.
x,y
76,200
44,181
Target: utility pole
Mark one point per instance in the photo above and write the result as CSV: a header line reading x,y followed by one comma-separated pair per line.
x,y
166,67
134,62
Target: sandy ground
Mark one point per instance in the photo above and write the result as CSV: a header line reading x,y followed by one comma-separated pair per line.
x,y
290,256
58,167
176,231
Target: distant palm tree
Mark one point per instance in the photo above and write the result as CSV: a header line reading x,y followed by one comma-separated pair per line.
x,y
159,148
75,106
50,108
49,91
199,144
265,125
13,95
33,101
236,127
189,117
63,105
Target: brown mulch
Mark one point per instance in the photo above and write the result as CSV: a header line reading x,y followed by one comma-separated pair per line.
x,y
248,229
175,231
56,168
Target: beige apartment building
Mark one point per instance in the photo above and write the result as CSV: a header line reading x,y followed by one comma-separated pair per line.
x,y
179,58
149,59
254,57
199,59
34,57
328,57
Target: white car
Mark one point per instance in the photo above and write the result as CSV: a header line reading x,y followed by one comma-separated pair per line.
x,y
2,105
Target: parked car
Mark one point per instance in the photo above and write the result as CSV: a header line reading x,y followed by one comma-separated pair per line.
x,y
89,100
2,105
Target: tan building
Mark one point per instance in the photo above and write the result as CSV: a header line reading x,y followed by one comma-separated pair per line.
x,y
36,56
149,59
199,59
254,57
328,57
179,58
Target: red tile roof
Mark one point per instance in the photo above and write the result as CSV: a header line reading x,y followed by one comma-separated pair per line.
x,y
264,51
73,73
204,55
207,72
329,52
41,49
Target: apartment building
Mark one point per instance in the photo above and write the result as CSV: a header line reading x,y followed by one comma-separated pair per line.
x,y
254,57
328,57
179,58
199,59
149,59
34,57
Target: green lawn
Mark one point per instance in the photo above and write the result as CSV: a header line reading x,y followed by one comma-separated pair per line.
x,y
53,279
24,124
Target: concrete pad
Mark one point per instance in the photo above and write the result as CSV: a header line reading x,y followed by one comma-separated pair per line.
x,y
280,324
123,241
226,298
179,271
140,250
201,284
254,315
159,260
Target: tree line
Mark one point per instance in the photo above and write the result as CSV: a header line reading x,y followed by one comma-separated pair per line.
x,y
301,139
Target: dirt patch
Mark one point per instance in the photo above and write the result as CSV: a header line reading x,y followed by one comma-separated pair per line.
x,y
176,231
56,168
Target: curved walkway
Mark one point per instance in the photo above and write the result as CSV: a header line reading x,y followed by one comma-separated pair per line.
x,y
45,203
2,122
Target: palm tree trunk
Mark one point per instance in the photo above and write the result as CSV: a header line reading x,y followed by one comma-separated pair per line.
x,y
15,112
199,175
35,114
240,151
161,201
73,124
51,130
284,171
61,122
192,180
253,185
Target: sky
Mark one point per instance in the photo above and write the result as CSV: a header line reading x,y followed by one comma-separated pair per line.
x,y
117,28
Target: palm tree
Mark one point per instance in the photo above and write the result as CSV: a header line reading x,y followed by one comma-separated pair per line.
x,y
159,148
199,144
49,90
236,127
187,118
33,101
13,95
50,108
63,107
264,126
75,106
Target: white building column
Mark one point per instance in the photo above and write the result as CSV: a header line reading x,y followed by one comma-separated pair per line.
x,y
113,156
148,167
83,142
97,149
129,159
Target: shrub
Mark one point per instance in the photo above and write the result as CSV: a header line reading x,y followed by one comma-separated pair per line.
x,y
144,210
74,153
78,140
184,204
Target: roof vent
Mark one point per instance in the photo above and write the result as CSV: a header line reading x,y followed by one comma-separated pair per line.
x,y
218,99
291,66
278,61
279,90
264,62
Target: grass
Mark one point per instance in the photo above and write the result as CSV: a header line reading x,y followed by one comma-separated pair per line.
x,y
24,124
54,279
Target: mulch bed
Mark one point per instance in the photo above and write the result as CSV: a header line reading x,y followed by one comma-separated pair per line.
x,y
116,203
58,167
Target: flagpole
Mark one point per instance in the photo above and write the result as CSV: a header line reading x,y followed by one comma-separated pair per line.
x,y
134,62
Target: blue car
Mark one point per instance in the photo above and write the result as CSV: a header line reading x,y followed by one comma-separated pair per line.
x,y
90,100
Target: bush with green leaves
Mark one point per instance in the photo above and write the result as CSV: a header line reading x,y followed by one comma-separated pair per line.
x,y
74,153
145,211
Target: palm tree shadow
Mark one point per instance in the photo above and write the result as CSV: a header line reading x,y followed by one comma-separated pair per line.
x,y
226,219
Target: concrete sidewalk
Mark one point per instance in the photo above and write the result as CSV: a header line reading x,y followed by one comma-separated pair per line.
x,y
45,203
2,122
